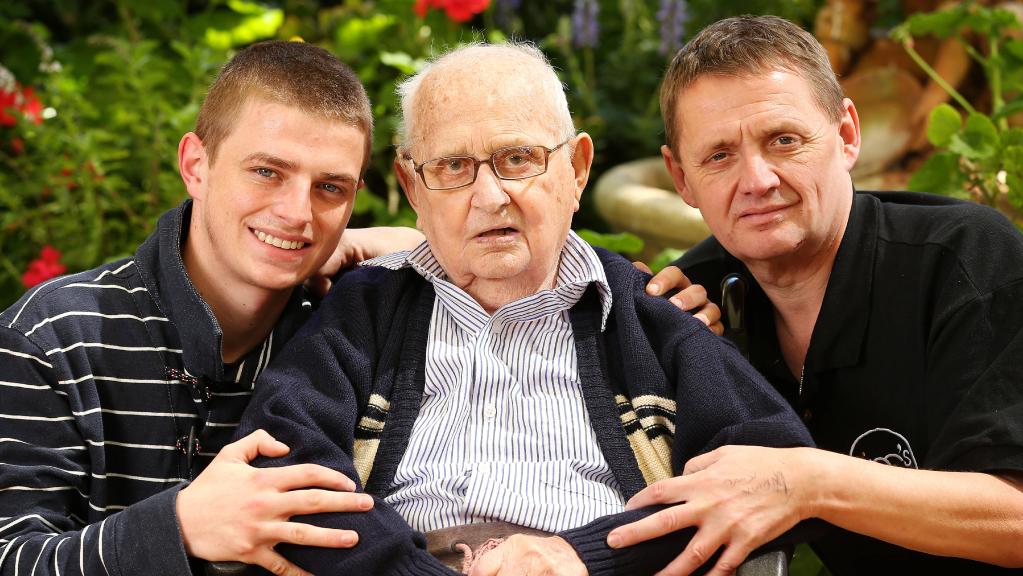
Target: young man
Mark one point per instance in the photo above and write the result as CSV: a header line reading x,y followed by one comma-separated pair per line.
x,y
122,383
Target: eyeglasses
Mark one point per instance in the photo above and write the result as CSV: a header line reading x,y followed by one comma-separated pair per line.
x,y
509,163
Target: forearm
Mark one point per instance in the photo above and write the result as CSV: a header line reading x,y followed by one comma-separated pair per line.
x,y
968,515
142,539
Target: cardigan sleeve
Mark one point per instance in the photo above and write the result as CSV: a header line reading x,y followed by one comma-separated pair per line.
x,y
306,400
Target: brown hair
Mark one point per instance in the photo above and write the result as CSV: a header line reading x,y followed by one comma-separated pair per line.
x,y
291,73
746,45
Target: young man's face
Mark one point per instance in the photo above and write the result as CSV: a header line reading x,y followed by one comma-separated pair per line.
x,y
767,168
271,207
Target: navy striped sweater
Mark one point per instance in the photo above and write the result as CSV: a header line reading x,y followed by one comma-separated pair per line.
x,y
103,377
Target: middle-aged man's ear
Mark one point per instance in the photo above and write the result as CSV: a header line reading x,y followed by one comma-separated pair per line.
x,y
582,160
678,176
849,130
193,164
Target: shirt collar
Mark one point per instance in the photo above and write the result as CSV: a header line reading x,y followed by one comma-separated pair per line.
x,y
163,272
837,339
578,267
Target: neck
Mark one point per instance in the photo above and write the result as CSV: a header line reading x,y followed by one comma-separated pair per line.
x,y
796,289
492,294
246,314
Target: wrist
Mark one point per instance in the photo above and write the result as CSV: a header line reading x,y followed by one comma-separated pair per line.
x,y
810,473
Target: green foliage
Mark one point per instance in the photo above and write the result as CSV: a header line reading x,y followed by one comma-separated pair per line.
x,y
122,80
981,157
622,243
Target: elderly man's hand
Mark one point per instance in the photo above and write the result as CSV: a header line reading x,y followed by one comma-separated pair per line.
x,y
235,512
530,556
740,497
358,244
690,297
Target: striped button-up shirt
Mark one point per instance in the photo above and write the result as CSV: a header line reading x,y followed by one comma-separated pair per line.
x,y
503,432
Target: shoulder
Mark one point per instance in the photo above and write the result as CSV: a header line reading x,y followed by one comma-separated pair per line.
x,y
985,247
368,291
105,290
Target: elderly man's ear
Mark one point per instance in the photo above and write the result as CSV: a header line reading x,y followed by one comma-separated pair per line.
x,y
582,160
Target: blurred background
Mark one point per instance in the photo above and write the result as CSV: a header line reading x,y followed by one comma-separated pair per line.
x,y
94,96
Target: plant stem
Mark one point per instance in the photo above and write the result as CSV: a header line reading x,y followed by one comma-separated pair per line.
x,y
994,71
937,78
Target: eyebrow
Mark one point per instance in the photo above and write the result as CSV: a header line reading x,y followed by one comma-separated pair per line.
x,y
281,163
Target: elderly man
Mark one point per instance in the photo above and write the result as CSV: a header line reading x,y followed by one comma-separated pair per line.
x,y
893,323
504,371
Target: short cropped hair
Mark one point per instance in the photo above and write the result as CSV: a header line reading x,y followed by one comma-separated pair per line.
x,y
546,79
747,45
290,73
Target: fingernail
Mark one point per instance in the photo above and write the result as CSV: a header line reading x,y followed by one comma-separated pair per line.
x,y
349,540
653,288
702,318
366,502
614,540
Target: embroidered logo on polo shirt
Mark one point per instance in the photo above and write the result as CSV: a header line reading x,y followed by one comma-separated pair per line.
x,y
884,446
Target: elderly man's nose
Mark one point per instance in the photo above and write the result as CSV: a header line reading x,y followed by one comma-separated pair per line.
x,y
756,175
488,192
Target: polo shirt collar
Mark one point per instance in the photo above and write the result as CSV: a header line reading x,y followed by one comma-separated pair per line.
x,y
578,267
163,272
838,336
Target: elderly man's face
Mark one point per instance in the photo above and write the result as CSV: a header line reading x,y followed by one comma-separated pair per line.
x,y
493,230
767,168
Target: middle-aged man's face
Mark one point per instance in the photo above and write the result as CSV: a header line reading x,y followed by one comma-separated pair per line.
x,y
275,200
767,168
494,230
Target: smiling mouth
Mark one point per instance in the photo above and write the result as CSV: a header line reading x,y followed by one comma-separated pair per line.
x,y
279,243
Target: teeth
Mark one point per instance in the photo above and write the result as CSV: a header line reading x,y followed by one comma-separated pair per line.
x,y
274,241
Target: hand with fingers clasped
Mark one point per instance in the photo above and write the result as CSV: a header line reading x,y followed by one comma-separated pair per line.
x,y
738,497
236,512
690,297
530,556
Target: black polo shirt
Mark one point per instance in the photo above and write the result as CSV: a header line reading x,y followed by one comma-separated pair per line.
x,y
916,359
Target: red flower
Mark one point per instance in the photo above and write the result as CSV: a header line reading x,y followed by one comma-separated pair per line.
x,y
23,101
43,268
31,106
457,10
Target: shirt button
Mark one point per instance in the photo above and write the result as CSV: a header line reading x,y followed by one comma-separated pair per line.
x,y
483,469
489,411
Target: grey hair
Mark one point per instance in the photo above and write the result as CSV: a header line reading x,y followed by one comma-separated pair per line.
x,y
547,81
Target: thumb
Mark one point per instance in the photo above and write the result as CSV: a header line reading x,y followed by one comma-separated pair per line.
x,y
258,443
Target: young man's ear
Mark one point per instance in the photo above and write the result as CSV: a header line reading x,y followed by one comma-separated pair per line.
x,y
678,176
193,165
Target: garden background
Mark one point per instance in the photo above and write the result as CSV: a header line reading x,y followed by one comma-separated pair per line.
x,y
95,94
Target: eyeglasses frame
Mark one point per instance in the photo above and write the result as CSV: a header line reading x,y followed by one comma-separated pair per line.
x,y
476,162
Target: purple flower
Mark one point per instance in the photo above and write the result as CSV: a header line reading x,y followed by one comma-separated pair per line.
x,y
584,23
673,15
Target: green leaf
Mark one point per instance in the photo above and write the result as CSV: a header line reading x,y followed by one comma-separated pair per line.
x,y
622,243
978,139
402,61
943,23
1008,109
356,35
944,123
664,258
940,175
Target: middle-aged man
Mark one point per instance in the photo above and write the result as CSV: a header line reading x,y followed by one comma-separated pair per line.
x,y
504,370
892,322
